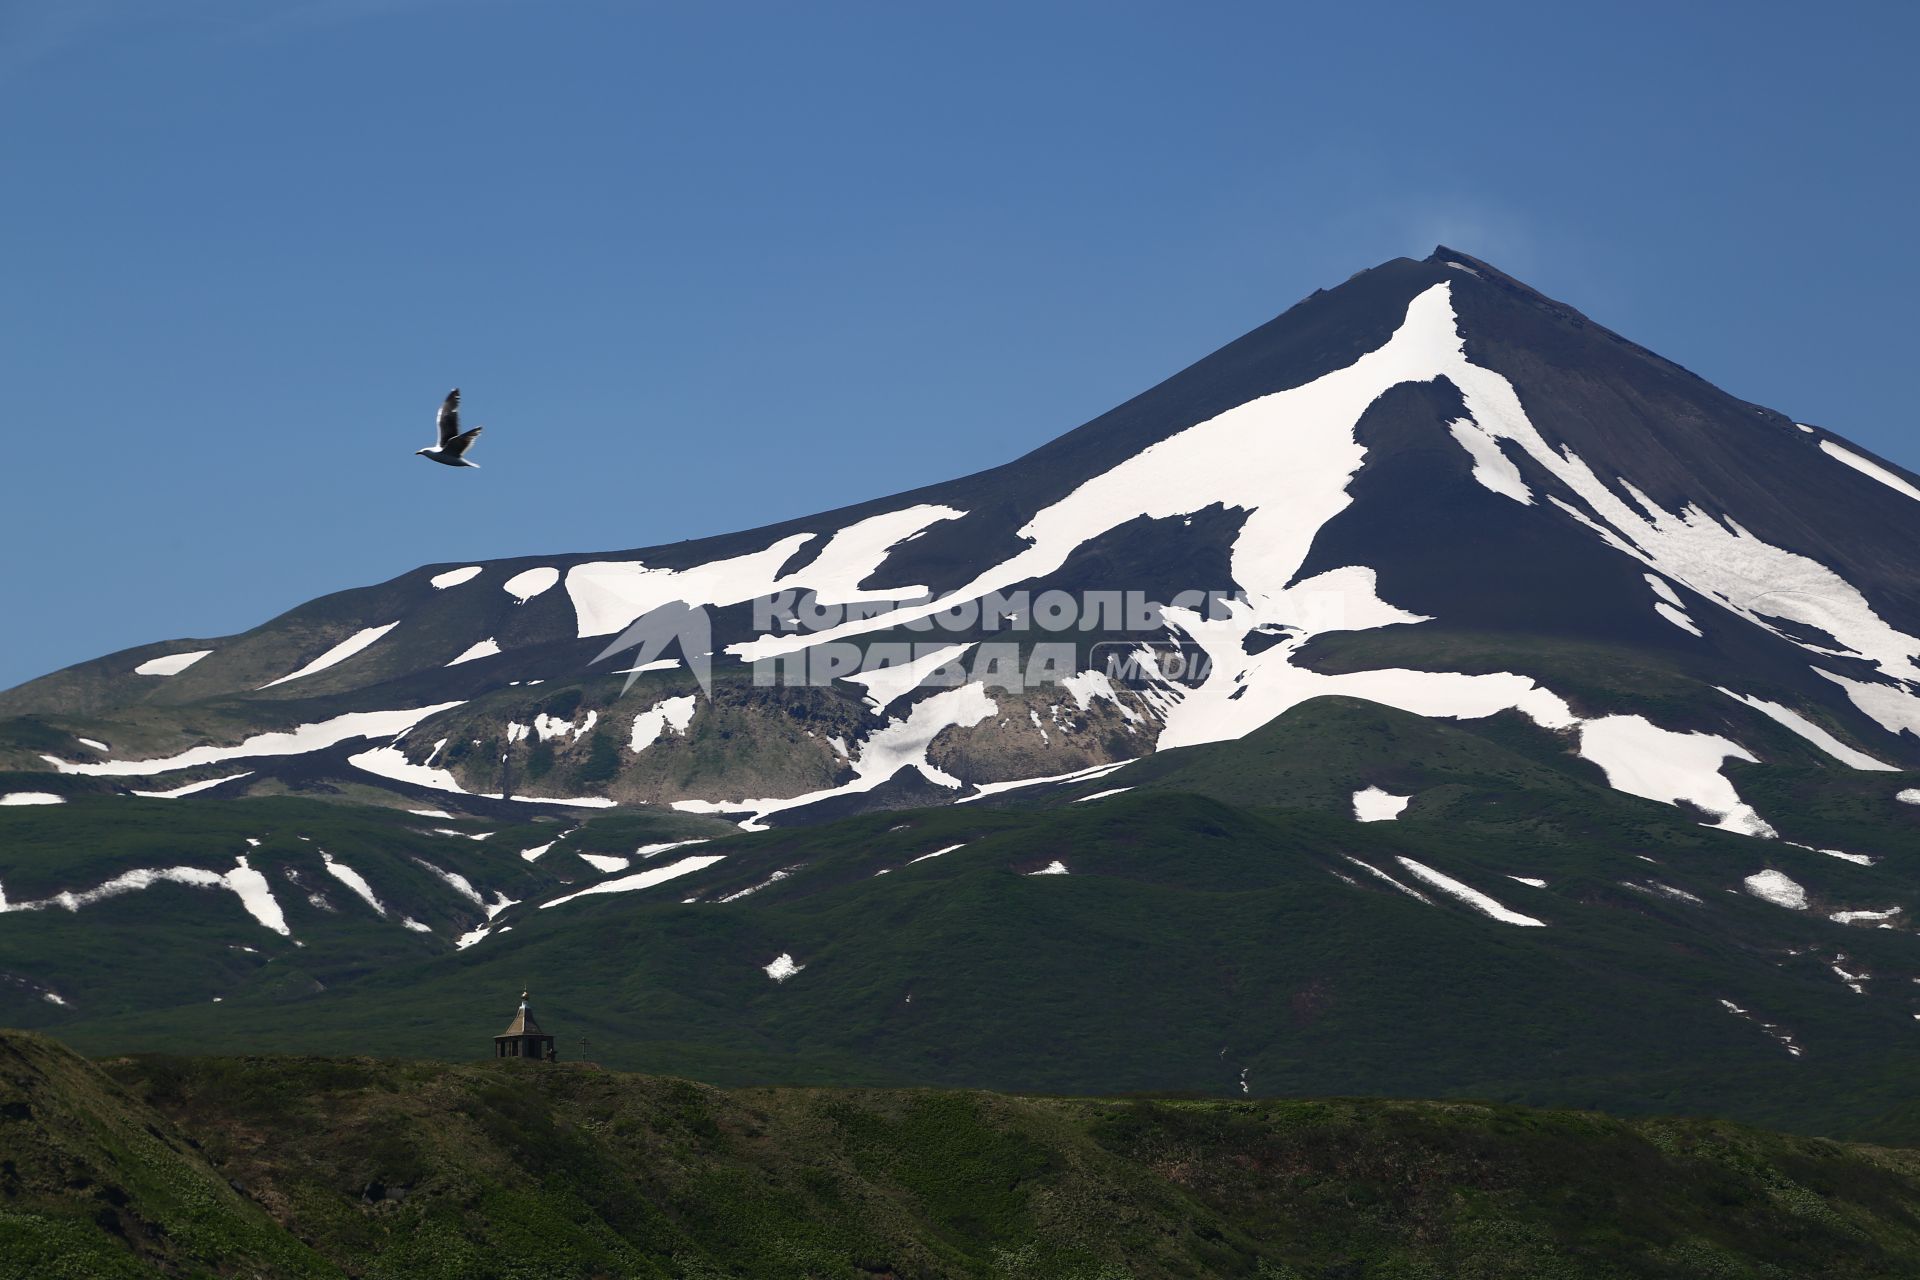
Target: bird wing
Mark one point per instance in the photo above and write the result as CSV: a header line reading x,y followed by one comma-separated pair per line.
x,y
458,444
450,417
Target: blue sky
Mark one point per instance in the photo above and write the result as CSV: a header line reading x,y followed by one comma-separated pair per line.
x,y
703,266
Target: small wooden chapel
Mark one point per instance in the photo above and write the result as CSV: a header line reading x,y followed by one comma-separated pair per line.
x,y
523,1037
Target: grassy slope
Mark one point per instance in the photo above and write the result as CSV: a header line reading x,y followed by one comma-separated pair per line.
x,y
93,1184
1202,933
171,945
392,1169
1193,940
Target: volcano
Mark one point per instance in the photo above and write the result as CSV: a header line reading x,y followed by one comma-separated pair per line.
x,y
1431,691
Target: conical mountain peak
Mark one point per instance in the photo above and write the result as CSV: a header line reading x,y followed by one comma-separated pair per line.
x,y
1606,661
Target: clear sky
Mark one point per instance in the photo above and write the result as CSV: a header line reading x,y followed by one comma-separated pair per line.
x,y
700,266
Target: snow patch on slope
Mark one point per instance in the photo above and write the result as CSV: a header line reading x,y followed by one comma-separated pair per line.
x,y
482,649
642,879
457,882
1678,617
256,896
390,763
170,665
782,967
1773,1029
1892,707
1858,859
1468,894
546,728
194,788
885,685
1872,917
1491,466
338,654
752,889
347,876
289,742
1085,686
654,850
854,553
669,713
1868,467
937,853
1661,889
1811,732
610,594
1642,759
1376,805
1378,874
454,577
243,882
528,583
1778,888
1663,589
31,797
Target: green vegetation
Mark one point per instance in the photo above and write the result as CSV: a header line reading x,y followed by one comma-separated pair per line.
x,y
95,1184
1215,933
352,1166
603,759
539,760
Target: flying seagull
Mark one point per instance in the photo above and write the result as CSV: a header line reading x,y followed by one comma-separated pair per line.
x,y
452,449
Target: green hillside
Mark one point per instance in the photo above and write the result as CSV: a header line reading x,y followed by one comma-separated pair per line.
x,y
95,1184
1223,929
285,1166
